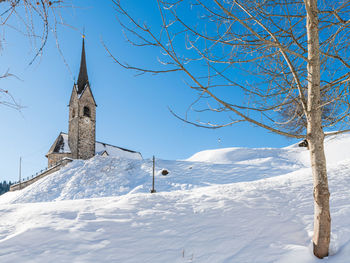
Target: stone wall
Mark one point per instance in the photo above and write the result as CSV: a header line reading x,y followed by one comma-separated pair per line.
x,y
86,143
73,126
81,135
54,158
87,126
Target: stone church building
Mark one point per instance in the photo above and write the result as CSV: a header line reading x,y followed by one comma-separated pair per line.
x,y
80,142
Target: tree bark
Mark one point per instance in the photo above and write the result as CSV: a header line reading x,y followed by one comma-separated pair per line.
x,y
315,137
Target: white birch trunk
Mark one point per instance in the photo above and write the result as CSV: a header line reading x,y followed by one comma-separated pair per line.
x,y
315,137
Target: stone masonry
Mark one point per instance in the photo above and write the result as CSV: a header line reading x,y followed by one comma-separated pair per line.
x,y
82,124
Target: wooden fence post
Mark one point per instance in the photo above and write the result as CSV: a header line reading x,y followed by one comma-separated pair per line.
x,y
153,190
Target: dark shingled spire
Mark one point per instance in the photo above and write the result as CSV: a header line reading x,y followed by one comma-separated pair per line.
x,y
83,76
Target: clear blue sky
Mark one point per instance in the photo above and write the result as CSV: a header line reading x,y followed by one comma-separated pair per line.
x,y
132,110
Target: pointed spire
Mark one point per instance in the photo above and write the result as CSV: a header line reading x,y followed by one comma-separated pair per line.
x,y
83,76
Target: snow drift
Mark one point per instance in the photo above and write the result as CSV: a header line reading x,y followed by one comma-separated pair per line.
x,y
113,176
226,205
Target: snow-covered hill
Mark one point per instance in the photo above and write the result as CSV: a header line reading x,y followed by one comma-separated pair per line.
x,y
225,205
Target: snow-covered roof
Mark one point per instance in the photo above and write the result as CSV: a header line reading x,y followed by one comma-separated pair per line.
x,y
115,151
61,146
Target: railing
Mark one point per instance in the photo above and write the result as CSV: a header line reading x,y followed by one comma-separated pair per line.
x,y
33,177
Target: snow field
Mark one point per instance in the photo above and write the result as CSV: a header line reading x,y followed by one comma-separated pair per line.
x,y
248,205
112,176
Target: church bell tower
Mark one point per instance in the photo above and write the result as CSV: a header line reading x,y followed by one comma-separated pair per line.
x,y
82,115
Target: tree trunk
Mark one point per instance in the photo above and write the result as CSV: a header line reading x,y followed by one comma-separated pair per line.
x,y
315,137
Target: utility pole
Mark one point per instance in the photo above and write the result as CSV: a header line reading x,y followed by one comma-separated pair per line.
x,y
153,190
20,175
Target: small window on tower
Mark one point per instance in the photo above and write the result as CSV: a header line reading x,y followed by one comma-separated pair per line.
x,y
73,113
87,112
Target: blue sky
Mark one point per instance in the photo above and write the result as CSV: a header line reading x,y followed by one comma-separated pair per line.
x,y
132,110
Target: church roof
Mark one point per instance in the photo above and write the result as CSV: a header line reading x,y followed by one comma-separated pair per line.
x,y
83,76
61,146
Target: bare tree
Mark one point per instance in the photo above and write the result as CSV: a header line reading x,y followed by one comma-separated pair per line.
x,y
286,60
34,19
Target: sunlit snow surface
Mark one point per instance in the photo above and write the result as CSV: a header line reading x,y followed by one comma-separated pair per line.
x,y
226,205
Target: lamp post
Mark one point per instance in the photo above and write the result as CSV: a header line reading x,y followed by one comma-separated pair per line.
x,y
20,179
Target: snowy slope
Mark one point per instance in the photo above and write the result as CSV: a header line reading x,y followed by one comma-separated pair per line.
x,y
109,176
112,176
228,205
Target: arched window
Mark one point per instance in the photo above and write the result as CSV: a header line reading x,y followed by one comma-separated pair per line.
x,y
73,113
87,111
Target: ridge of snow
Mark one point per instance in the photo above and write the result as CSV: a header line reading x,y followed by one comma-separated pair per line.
x,y
336,147
114,176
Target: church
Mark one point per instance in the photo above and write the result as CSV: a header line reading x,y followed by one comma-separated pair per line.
x,y
80,142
